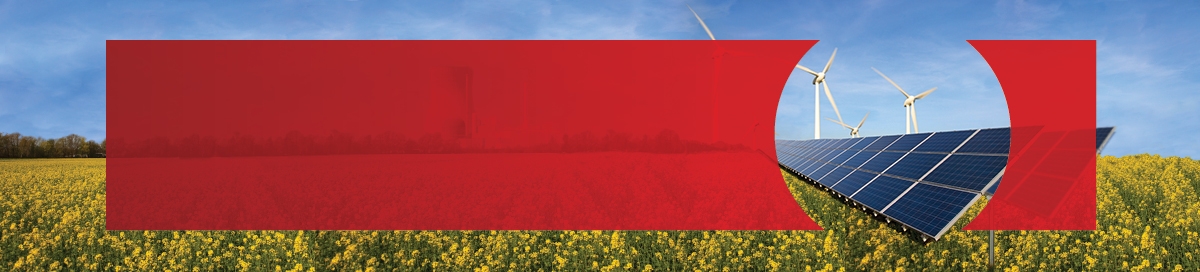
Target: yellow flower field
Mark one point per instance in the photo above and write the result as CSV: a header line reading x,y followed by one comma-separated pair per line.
x,y
53,220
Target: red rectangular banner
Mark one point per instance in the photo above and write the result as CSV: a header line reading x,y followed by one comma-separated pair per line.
x,y
236,135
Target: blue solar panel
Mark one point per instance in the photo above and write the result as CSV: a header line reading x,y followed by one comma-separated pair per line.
x,y
817,155
993,141
810,167
882,161
796,162
944,141
859,158
820,172
882,142
828,157
968,171
841,158
881,191
854,142
930,209
846,143
853,182
863,143
949,170
807,168
1102,135
915,165
907,142
834,176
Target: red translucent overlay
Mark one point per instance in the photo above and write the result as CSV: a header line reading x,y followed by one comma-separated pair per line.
x,y
451,135
1050,182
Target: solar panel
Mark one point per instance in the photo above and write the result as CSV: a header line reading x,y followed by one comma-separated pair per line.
x,y
882,161
881,191
972,172
907,142
944,141
925,181
915,165
930,209
882,142
853,182
994,141
859,158
1102,136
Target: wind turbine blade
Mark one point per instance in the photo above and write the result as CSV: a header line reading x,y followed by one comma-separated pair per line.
x,y
864,120
806,69
710,35
830,63
830,96
839,123
890,81
922,95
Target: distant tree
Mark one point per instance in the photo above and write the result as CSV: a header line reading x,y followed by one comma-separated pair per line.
x,y
91,149
15,145
50,148
6,149
73,145
30,147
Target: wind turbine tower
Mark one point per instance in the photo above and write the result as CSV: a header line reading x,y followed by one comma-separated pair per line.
x,y
818,80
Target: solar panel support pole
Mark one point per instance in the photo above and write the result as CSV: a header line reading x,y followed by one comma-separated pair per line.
x,y
991,249
991,245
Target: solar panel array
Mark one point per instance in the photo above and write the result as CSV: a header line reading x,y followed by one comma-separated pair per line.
x,y
925,181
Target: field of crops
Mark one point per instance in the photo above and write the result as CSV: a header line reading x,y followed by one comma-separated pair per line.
x,y
53,219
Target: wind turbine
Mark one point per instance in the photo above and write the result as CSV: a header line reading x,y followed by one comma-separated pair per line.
x,y
853,130
818,80
910,108
717,65
717,57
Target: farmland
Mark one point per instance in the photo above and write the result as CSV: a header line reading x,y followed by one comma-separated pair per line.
x,y
52,217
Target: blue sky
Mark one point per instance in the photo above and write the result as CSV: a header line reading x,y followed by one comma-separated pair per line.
x,y
52,60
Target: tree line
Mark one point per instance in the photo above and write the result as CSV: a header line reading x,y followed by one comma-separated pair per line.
x,y
336,143
15,145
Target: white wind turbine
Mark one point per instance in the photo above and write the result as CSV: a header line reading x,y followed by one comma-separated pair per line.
x,y
910,107
718,61
717,57
853,130
818,80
